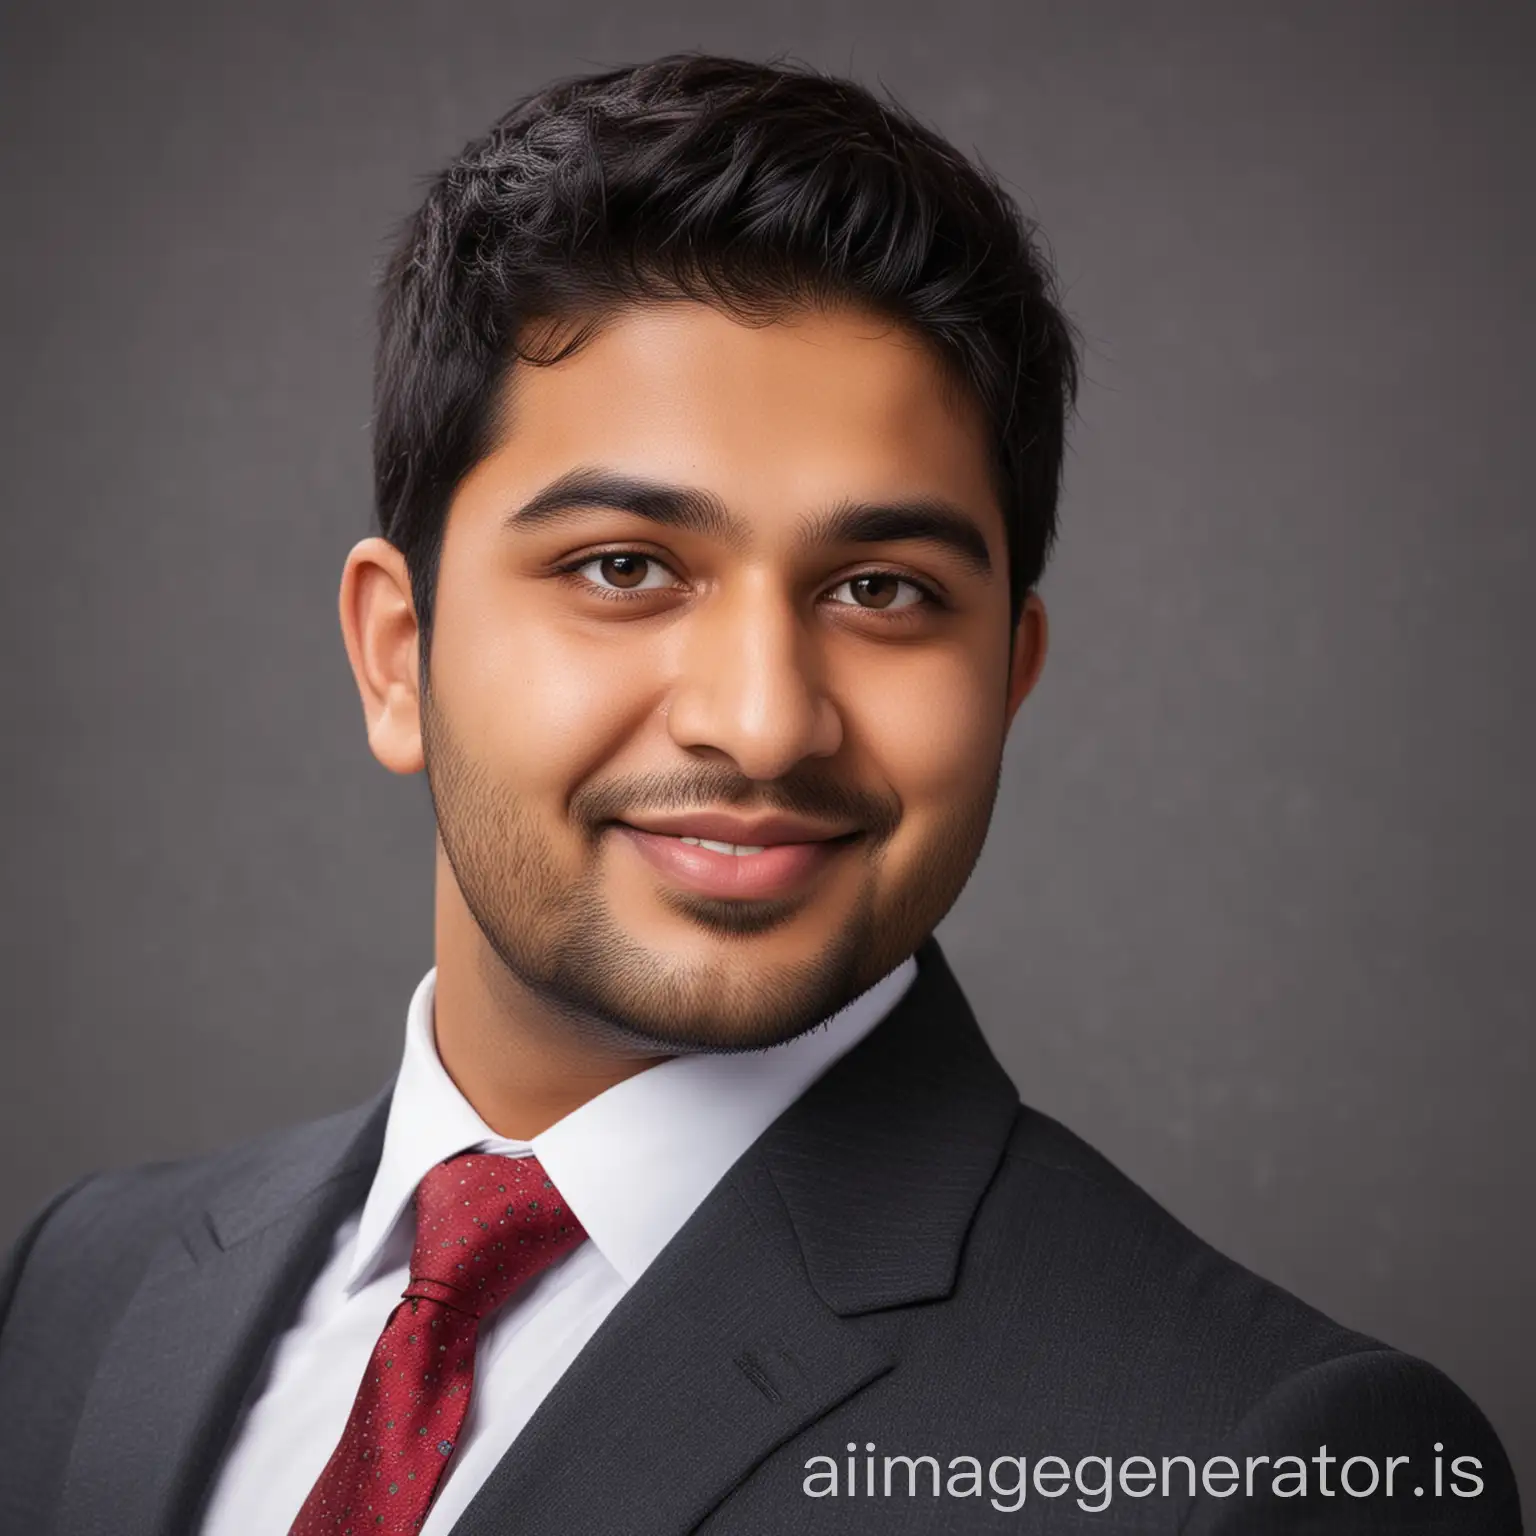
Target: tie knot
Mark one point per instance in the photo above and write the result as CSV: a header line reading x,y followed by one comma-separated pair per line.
x,y
486,1225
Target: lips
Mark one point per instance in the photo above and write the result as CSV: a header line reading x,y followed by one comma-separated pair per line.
x,y
736,866
739,831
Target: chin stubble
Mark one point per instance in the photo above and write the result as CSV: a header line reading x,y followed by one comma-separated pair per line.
x,y
558,940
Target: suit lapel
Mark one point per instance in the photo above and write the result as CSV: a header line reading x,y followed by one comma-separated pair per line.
x,y
718,1354
856,1200
175,1372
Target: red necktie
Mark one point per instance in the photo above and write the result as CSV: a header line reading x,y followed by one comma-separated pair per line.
x,y
485,1226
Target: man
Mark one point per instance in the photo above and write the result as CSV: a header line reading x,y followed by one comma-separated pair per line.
x,y
719,427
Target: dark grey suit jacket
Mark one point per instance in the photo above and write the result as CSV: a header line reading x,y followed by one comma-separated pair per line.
x,y
907,1258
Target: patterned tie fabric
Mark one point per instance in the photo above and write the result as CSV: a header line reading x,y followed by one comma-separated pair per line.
x,y
485,1226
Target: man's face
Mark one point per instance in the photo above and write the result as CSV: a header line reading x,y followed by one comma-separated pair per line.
x,y
719,671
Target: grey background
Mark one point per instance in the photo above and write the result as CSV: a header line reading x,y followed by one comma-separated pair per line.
x,y
1254,915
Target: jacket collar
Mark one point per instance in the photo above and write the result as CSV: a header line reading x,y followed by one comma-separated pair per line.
x,y
283,1171
881,1164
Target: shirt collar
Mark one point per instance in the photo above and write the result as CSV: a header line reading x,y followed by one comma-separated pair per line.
x,y
633,1163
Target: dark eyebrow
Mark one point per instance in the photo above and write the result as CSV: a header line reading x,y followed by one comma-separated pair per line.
x,y
677,506
923,519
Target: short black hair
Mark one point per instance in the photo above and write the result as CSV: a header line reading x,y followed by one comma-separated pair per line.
x,y
753,187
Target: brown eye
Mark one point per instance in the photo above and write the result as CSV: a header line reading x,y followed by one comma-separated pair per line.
x,y
874,591
624,570
881,590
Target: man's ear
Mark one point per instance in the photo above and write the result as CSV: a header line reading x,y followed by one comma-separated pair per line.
x,y
378,625
1031,640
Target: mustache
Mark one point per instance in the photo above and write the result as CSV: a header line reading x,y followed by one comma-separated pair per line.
x,y
713,786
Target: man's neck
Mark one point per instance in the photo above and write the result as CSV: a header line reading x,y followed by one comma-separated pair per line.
x,y
520,1080
521,1065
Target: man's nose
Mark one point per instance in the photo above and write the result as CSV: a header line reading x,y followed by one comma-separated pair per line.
x,y
750,684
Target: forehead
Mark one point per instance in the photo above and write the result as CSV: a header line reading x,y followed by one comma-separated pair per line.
x,y
772,417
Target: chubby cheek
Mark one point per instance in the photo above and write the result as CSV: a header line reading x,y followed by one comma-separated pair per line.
x,y
534,705
934,736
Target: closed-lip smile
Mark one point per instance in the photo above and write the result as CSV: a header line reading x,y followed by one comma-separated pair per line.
x,y
741,831
733,857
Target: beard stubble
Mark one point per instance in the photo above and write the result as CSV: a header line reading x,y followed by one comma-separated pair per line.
x,y
557,937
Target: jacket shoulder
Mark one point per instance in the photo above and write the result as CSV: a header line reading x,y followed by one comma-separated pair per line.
x,y
1116,1310
1085,1222
92,1240
77,1268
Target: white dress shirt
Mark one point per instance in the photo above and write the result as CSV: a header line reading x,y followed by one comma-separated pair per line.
x,y
632,1164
